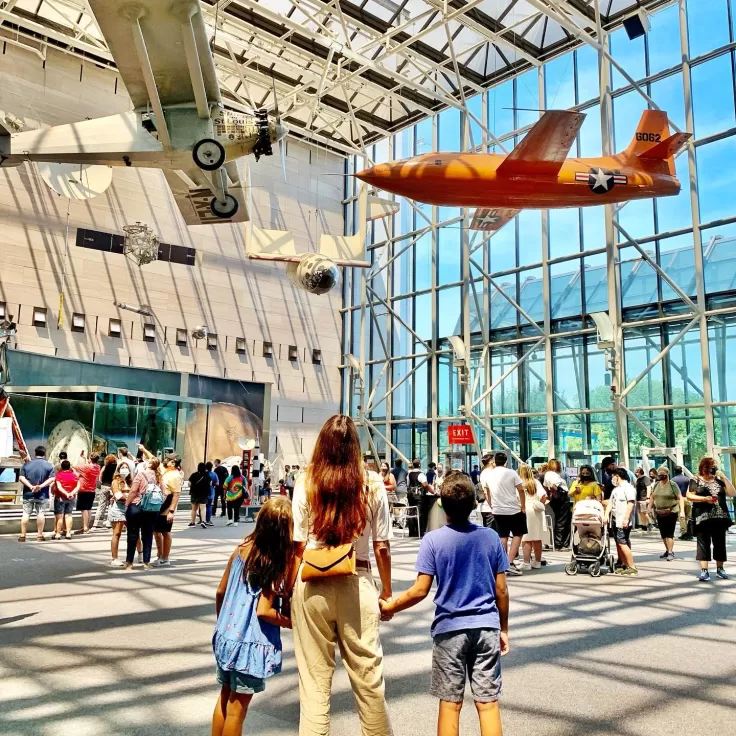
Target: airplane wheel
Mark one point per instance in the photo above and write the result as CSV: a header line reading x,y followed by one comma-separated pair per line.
x,y
227,210
208,154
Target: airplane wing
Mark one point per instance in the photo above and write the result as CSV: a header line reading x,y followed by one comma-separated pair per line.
x,y
492,220
545,147
193,193
175,44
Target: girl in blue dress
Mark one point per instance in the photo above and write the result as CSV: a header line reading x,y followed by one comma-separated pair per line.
x,y
247,638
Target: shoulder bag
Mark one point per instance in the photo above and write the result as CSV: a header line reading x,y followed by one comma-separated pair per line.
x,y
328,562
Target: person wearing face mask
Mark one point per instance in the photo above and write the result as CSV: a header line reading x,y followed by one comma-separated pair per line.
x,y
707,493
585,487
669,504
119,489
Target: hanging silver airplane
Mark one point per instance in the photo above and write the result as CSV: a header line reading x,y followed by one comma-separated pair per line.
x,y
179,123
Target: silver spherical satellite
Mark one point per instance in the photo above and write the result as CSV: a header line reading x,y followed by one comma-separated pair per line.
x,y
315,273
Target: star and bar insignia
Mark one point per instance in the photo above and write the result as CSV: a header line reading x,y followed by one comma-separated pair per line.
x,y
601,180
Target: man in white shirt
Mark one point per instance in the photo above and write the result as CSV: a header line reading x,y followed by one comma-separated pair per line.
x,y
620,507
485,506
508,505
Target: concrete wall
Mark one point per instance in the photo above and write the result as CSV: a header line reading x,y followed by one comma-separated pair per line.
x,y
229,294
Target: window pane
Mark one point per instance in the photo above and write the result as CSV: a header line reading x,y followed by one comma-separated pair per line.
x,y
527,95
423,262
640,348
401,269
502,313
674,213
500,109
449,313
505,397
590,133
668,94
719,257
502,248
715,179
424,142
638,279
630,55
685,372
401,396
677,260
637,218
712,85
448,254
420,383
569,378
448,386
564,232
722,344
707,25
401,337
476,135
664,39
449,130
588,78
530,237
559,83
423,318
565,292
594,227
596,283
530,294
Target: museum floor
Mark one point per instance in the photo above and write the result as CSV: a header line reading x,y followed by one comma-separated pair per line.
x,y
88,651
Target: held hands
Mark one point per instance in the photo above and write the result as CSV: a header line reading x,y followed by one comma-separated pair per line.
x,y
384,604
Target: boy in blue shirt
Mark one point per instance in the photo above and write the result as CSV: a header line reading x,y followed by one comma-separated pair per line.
x,y
470,627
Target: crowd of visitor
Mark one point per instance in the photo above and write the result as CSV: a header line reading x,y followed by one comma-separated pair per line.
x,y
307,563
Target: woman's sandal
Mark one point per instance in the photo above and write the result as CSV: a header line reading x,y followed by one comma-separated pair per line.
x,y
22,538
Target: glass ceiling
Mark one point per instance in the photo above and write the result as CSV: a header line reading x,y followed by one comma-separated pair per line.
x,y
350,73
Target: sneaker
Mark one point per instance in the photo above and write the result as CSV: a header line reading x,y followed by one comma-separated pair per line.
x,y
629,571
164,563
536,565
229,523
108,525
543,562
664,556
618,570
526,565
722,574
235,523
203,524
514,571
210,523
704,576
191,524
670,556
116,563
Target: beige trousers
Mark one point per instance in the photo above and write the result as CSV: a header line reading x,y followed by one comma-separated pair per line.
x,y
342,612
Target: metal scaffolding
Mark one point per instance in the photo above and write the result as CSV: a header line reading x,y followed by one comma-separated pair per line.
x,y
472,350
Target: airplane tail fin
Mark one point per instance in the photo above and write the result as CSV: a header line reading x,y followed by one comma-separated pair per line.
x,y
652,140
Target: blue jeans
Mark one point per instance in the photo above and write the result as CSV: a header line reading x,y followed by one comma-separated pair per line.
x,y
208,513
140,523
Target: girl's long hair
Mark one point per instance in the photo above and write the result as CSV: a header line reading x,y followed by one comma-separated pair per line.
x,y
529,482
554,465
110,459
335,483
272,545
155,465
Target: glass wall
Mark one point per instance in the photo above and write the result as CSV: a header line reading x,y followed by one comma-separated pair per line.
x,y
552,269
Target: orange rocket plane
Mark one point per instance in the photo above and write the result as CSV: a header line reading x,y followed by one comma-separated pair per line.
x,y
537,174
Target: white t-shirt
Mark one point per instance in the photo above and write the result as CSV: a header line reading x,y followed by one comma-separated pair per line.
x,y
378,524
552,478
502,482
620,498
484,475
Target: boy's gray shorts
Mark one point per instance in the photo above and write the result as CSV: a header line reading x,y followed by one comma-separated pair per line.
x,y
476,652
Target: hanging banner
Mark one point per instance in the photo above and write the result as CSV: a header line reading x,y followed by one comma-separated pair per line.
x,y
460,434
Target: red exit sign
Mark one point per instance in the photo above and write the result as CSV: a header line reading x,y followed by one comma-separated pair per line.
x,y
460,434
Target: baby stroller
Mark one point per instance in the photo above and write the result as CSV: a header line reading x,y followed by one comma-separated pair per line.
x,y
591,546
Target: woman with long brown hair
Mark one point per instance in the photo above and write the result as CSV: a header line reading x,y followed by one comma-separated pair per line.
x,y
559,501
140,522
338,506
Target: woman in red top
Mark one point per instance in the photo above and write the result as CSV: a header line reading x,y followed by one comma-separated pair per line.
x,y
389,481
65,489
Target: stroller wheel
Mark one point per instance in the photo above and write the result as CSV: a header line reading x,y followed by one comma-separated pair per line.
x,y
571,568
611,563
595,570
